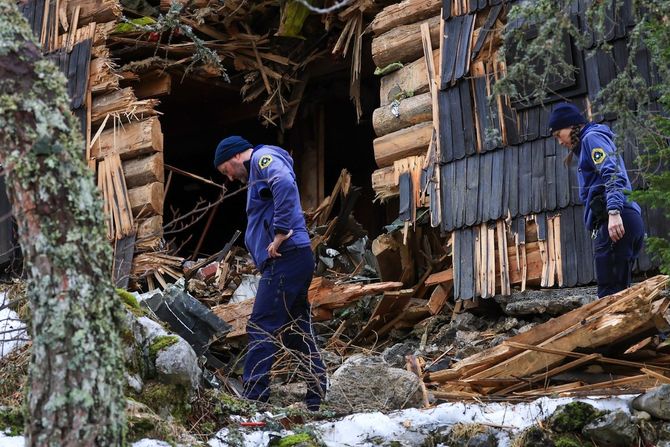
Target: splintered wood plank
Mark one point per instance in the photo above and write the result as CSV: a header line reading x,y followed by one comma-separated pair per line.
x,y
439,297
505,288
558,258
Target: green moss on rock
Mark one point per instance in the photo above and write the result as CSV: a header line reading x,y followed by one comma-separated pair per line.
x,y
572,417
161,342
12,420
130,302
298,439
571,441
166,400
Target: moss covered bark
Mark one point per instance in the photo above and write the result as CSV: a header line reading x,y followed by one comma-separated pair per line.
x,y
75,379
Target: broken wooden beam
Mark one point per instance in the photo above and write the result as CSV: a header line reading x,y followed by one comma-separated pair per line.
x,y
324,293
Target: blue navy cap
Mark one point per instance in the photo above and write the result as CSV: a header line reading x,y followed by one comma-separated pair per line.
x,y
565,115
228,148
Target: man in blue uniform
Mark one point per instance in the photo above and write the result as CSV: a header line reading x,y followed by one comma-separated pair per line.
x,y
614,220
279,244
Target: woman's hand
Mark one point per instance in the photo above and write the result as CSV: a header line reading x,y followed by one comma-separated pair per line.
x,y
615,227
273,248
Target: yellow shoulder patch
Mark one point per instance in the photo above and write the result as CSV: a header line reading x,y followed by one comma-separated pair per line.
x,y
264,161
598,155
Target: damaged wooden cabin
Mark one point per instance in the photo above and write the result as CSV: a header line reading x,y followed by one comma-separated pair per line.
x,y
490,173
157,84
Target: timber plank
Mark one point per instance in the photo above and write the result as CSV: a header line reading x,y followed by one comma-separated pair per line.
x,y
469,140
525,179
449,56
447,175
485,179
457,126
463,55
445,129
472,196
497,181
538,193
460,192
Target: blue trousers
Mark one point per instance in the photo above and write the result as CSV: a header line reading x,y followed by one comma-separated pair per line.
x,y
614,260
281,318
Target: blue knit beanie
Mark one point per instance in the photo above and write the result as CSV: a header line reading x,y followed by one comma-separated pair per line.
x,y
228,148
565,115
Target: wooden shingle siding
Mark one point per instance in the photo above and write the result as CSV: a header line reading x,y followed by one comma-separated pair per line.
x,y
457,130
456,49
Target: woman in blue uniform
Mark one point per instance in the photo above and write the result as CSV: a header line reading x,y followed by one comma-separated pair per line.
x,y
614,221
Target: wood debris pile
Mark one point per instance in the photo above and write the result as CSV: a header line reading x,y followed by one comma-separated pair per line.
x,y
618,333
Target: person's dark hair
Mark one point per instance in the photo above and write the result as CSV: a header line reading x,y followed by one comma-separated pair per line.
x,y
575,141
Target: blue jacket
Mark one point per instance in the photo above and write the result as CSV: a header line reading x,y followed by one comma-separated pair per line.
x,y
273,203
601,170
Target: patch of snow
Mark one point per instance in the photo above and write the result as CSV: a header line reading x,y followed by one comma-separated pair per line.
x,y
11,441
12,330
150,443
412,426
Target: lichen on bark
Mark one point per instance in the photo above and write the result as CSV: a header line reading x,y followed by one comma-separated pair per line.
x,y
75,392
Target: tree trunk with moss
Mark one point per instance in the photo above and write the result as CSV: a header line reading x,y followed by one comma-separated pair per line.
x,y
75,395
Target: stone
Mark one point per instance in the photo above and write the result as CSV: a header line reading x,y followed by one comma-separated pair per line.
x,y
656,402
135,382
534,436
395,355
614,429
368,383
572,417
472,435
177,364
640,416
467,322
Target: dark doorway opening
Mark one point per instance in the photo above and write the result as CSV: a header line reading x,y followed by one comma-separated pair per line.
x,y
196,116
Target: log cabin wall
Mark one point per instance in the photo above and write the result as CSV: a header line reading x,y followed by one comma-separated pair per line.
x,y
498,186
122,134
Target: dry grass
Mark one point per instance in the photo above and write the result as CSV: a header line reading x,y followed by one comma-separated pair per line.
x,y
13,376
